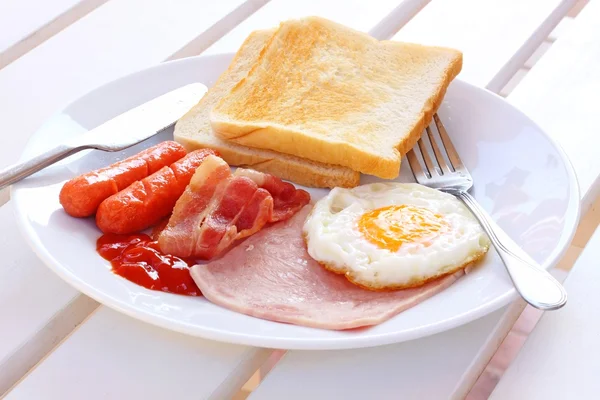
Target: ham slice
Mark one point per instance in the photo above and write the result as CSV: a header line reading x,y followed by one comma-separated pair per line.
x,y
271,276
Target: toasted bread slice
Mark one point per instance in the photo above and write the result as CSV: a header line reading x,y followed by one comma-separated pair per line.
x,y
193,131
325,92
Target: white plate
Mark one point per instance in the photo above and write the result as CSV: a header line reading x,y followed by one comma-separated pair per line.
x,y
521,177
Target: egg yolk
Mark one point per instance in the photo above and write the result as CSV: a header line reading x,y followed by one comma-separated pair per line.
x,y
390,227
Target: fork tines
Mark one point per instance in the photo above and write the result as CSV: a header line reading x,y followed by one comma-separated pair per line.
x,y
428,158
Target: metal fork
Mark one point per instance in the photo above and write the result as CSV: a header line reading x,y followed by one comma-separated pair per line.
x,y
533,283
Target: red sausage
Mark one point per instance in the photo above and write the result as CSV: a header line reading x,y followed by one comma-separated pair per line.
x,y
81,196
146,202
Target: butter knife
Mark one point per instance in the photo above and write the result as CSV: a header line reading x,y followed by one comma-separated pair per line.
x,y
119,133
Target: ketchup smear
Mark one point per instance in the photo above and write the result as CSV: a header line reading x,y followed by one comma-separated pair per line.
x,y
138,259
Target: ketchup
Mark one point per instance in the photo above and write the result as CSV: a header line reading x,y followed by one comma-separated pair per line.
x,y
138,259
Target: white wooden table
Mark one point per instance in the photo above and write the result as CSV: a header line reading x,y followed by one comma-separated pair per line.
x,y
56,343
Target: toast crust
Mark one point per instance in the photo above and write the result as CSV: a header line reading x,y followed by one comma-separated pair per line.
x,y
293,169
193,131
254,113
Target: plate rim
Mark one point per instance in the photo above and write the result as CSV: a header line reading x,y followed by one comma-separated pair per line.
x,y
240,338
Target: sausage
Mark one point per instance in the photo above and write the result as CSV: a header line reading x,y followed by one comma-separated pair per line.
x,y
81,196
144,203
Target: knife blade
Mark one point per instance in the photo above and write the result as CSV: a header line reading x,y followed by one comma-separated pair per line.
x,y
118,133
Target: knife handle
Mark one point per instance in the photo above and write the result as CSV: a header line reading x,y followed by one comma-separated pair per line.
x,y
16,172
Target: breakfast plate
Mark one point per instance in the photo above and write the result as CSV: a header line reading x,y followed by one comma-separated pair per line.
x,y
522,178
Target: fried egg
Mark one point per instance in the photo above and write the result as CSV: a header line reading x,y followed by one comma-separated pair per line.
x,y
389,235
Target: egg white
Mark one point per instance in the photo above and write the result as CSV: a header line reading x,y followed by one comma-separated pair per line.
x,y
334,240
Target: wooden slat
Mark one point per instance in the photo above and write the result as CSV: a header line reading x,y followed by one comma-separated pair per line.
x,y
37,310
116,357
4,196
414,369
563,27
560,357
560,94
117,38
429,368
27,23
18,21
496,36
360,15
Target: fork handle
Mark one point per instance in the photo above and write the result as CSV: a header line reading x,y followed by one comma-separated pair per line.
x,y
533,283
16,172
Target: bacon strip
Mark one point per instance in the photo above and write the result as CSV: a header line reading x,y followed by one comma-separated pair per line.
x,y
287,200
218,208
218,229
182,231
255,214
